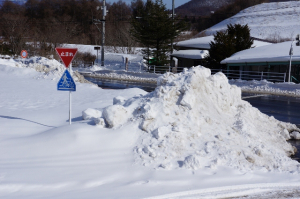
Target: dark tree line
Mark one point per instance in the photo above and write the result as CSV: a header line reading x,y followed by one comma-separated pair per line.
x,y
44,24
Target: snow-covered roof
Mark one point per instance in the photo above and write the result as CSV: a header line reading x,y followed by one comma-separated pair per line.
x,y
203,43
270,53
190,54
199,43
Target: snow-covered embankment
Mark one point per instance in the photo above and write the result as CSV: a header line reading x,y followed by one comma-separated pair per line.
x,y
197,120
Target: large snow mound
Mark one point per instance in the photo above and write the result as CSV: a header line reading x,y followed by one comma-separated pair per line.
x,y
197,120
48,68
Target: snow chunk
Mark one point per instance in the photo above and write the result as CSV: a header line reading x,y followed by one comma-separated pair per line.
x,y
91,113
285,133
296,135
118,100
161,132
115,115
192,162
99,122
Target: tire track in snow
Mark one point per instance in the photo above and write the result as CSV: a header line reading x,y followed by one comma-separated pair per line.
x,y
230,191
66,160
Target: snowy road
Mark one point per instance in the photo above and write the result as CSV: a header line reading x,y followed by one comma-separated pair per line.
x,y
283,108
262,191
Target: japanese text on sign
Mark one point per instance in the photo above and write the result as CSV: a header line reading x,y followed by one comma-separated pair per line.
x,y
66,54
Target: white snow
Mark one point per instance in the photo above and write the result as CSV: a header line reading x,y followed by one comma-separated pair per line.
x,y
195,117
203,43
112,61
263,86
267,20
192,137
191,54
270,53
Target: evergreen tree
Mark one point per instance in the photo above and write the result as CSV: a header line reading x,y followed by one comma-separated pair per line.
x,y
155,29
236,38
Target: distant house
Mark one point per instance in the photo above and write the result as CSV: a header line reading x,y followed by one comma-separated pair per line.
x,y
267,61
191,52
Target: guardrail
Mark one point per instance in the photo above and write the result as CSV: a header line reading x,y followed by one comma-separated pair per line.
x,y
252,75
295,79
231,74
159,69
164,69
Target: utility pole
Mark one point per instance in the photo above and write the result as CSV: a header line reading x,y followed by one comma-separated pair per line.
x,y
173,13
291,55
103,32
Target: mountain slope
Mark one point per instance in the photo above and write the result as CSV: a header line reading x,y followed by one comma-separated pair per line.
x,y
201,7
273,21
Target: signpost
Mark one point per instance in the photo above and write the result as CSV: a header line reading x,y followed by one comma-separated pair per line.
x,y
66,82
24,54
97,48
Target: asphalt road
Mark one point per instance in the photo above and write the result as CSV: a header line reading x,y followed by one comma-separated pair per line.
x,y
114,84
286,109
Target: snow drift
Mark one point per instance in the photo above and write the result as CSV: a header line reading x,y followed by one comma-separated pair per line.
x,y
48,68
197,120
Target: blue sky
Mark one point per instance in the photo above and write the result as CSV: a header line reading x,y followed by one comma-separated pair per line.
x,y
167,2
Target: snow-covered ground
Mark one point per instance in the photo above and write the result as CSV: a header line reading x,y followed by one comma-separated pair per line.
x,y
184,140
112,60
267,20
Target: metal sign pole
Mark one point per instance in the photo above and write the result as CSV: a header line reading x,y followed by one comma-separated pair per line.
x,y
103,33
290,68
70,99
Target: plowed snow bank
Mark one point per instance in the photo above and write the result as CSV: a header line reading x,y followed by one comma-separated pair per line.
x,y
197,120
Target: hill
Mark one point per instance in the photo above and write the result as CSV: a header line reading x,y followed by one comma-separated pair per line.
x,y
201,7
205,7
272,21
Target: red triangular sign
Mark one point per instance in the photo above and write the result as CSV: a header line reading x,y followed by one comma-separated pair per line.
x,y
66,55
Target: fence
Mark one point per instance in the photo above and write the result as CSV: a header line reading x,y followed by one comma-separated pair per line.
x,y
252,75
159,69
82,64
231,74
164,69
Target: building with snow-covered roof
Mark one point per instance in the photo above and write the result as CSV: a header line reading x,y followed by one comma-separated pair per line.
x,y
201,43
192,52
273,58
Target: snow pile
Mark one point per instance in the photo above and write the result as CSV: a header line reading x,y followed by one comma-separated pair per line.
x,y
126,76
49,68
197,120
265,86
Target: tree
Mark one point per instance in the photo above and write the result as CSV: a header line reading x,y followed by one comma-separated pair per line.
x,y
14,26
236,38
118,28
154,29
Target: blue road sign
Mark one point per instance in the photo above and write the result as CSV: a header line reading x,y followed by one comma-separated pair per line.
x,y
66,82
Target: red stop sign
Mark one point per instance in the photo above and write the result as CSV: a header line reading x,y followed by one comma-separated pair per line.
x,y
66,55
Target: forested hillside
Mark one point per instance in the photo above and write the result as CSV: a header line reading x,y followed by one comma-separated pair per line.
x,y
48,23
